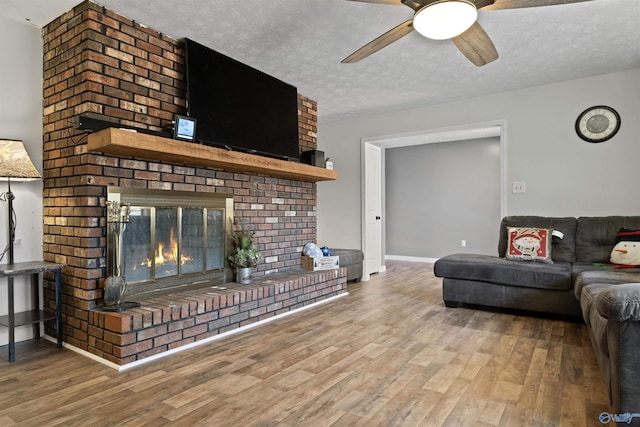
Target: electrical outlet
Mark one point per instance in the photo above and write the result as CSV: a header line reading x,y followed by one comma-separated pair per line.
x,y
519,187
17,242
463,243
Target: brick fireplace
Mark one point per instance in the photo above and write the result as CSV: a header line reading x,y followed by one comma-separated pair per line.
x,y
96,61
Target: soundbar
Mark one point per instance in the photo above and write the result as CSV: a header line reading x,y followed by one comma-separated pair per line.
x,y
88,122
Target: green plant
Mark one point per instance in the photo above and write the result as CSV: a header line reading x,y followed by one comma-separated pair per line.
x,y
245,254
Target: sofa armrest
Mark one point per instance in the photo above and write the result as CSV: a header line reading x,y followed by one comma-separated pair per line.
x,y
620,302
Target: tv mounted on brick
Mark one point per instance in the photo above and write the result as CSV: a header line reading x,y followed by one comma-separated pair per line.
x,y
239,107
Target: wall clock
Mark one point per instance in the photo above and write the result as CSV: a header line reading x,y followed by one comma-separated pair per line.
x,y
598,124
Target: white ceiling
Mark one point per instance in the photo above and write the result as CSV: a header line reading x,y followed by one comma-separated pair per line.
x,y
303,41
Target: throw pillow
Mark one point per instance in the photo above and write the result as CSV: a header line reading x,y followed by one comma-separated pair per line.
x,y
627,248
529,244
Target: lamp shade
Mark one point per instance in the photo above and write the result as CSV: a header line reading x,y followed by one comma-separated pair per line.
x,y
442,20
15,163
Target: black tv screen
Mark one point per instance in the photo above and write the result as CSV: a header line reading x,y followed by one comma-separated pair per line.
x,y
239,107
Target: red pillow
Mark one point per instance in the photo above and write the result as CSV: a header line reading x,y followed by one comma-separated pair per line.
x,y
529,244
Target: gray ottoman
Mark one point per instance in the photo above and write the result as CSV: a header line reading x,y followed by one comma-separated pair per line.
x,y
351,259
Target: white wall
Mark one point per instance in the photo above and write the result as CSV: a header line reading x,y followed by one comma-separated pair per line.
x,y
21,118
564,175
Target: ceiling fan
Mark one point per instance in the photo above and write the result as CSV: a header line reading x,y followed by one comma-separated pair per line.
x,y
448,19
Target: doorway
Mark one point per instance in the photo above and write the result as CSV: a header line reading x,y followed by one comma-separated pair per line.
x,y
373,187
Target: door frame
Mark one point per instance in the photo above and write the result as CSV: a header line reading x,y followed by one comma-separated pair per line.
x,y
455,133
366,273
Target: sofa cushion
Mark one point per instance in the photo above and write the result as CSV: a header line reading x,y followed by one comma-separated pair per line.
x,y
620,302
588,274
587,299
486,268
529,244
613,302
598,325
562,250
596,236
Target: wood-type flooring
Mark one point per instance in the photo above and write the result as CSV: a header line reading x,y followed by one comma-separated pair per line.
x,y
389,354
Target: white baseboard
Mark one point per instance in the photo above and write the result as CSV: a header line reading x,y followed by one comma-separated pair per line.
x,y
84,353
194,344
409,258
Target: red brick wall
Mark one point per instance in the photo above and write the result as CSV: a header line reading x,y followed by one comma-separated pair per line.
x,y
307,123
100,62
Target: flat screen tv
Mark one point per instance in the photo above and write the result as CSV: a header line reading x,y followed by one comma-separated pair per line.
x,y
239,107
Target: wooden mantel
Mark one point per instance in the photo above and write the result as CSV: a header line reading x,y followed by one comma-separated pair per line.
x,y
122,142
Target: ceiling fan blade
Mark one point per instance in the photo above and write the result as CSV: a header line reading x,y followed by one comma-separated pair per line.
x,y
476,45
380,42
396,2
516,4
413,4
482,3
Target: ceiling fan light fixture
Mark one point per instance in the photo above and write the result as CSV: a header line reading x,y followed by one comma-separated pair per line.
x,y
445,19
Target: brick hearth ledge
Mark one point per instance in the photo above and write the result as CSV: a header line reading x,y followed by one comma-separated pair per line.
x,y
176,321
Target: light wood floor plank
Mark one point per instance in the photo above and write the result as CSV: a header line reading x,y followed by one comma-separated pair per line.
x,y
389,354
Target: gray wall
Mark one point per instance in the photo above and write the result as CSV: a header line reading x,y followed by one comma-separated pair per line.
x,y
439,194
21,118
565,176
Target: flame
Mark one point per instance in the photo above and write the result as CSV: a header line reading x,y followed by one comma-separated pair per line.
x,y
167,255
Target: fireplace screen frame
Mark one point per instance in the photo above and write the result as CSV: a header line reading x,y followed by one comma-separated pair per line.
x,y
145,198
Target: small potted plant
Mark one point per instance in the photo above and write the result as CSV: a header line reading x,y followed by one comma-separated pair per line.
x,y
245,256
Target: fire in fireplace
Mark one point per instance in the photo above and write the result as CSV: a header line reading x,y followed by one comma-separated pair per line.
x,y
172,239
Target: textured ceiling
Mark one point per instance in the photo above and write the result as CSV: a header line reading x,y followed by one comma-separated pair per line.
x,y
303,41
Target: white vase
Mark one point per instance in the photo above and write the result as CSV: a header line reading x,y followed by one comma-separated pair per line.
x,y
243,275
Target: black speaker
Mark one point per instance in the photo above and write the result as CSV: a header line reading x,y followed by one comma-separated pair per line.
x,y
313,158
96,122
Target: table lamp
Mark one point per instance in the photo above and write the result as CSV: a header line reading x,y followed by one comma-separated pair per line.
x,y
15,165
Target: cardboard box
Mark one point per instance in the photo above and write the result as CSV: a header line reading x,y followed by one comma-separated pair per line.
x,y
320,263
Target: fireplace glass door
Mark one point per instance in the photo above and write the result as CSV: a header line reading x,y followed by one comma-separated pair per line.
x,y
173,239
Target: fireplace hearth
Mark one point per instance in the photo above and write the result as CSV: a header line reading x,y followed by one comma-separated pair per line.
x,y
173,239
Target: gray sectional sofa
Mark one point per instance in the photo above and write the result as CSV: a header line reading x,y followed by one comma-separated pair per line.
x,y
578,283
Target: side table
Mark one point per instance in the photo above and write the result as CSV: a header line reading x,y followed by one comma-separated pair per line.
x,y
34,316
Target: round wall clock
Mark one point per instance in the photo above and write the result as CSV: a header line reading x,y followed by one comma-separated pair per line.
x,y
598,124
